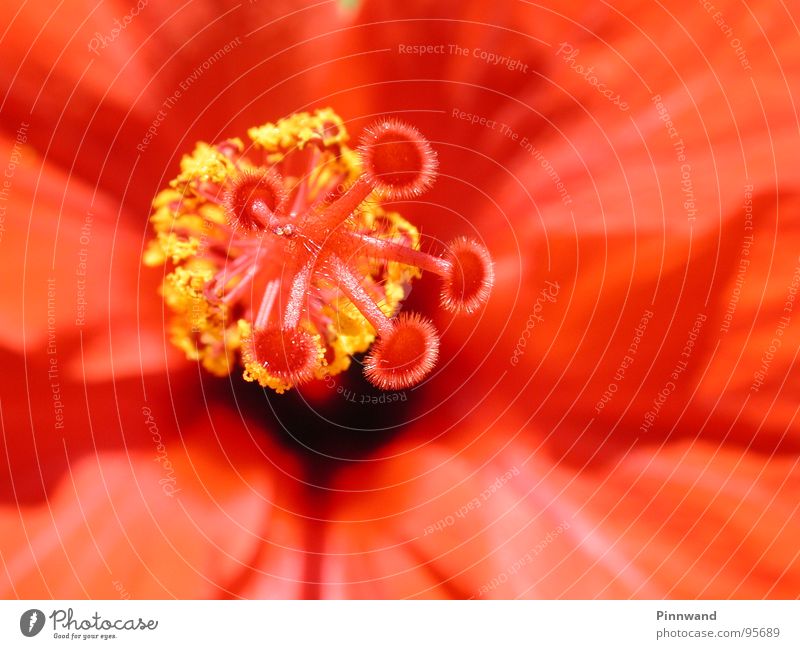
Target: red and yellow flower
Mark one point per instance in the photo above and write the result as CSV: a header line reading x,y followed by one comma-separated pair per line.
x,y
642,443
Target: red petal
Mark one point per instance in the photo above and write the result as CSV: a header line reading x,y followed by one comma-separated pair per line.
x,y
117,115
72,276
174,521
497,519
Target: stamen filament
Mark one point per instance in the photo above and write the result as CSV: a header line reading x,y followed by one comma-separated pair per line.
x,y
319,201
391,251
339,211
215,290
298,291
243,283
204,193
351,286
301,196
263,213
267,301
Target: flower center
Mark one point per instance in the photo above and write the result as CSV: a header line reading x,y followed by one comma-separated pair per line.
x,y
285,257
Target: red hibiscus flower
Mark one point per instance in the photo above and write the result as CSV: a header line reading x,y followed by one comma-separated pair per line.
x,y
618,420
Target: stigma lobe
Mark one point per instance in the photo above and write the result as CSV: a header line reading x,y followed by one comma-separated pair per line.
x,y
254,199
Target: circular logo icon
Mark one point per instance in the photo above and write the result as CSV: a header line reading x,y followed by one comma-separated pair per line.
x,y
31,622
